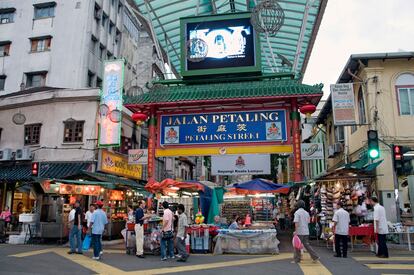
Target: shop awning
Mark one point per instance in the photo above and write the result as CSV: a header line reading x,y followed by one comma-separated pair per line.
x,y
359,164
115,180
22,172
372,166
262,89
108,185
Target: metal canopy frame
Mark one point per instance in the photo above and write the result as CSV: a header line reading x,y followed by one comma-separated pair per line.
x,y
293,42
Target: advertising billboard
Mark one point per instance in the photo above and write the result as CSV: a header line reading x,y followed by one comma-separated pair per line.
x,y
219,44
311,151
343,104
223,127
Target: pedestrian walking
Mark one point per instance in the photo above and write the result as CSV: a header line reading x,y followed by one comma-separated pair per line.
x,y
381,228
139,228
341,221
97,227
181,235
167,233
75,235
301,221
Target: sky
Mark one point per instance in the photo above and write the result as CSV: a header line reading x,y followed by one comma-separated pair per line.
x,y
358,26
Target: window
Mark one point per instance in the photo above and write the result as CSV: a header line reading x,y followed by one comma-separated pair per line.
x,y
94,42
44,10
32,134
361,107
5,48
109,55
97,12
2,82
119,7
40,44
7,15
91,76
73,130
113,2
339,134
99,82
111,27
35,79
104,19
405,93
101,51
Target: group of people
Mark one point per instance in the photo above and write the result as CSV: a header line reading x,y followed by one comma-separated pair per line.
x,y
341,220
167,232
96,220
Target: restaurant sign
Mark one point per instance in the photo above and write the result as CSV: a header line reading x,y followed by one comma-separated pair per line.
x,y
311,151
223,127
116,164
138,156
343,104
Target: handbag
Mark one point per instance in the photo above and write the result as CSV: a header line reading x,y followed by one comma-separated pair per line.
x,y
296,242
86,243
167,235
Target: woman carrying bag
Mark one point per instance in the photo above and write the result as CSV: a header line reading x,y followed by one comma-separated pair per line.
x,y
167,233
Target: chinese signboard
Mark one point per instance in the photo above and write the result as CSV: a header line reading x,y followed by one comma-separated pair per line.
x,y
138,156
240,165
343,104
110,108
72,189
115,164
223,127
311,151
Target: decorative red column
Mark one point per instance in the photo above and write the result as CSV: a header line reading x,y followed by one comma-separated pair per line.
x,y
152,129
295,118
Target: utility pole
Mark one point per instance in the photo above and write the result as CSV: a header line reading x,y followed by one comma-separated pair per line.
x,y
395,154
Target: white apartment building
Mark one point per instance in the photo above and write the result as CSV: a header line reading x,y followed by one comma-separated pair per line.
x,y
64,43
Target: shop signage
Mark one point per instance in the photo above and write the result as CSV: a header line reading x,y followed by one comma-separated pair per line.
x,y
343,104
116,164
311,151
138,156
229,165
110,109
223,127
116,195
72,189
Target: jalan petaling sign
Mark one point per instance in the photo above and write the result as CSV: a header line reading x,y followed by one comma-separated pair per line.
x,y
311,151
223,127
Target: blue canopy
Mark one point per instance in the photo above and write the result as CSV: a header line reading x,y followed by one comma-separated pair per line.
x,y
260,186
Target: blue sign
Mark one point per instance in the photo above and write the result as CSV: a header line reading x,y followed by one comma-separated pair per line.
x,y
223,127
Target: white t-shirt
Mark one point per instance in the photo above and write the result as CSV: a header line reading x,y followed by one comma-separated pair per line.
x,y
302,218
341,217
72,215
88,217
379,215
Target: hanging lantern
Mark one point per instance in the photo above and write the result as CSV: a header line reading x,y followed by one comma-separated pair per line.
x,y
307,109
139,118
267,17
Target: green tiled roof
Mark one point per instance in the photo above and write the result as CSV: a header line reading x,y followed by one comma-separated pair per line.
x,y
230,90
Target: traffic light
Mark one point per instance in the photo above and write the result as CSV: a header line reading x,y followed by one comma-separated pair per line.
x,y
373,145
402,164
398,153
35,169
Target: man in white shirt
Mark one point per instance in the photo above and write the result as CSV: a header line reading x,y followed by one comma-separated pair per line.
x,y
381,228
301,221
341,228
88,215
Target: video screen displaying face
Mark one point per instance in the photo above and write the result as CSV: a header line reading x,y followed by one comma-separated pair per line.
x,y
220,44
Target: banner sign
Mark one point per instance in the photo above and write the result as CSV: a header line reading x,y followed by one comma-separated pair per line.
x,y
240,165
343,104
73,189
110,109
116,164
311,151
138,156
223,127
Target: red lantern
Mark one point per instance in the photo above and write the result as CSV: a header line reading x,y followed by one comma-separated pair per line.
x,y
139,118
307,109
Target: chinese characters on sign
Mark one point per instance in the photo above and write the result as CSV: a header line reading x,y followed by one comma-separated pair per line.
x,y
111,104
343,104
228,127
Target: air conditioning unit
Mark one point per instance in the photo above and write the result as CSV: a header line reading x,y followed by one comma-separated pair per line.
x,y
338,148
331,151
23,154
6,154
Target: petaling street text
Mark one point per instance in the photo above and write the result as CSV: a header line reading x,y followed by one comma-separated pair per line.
x,y
223,137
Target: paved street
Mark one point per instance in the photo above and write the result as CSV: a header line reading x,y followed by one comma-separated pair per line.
x,y
44,259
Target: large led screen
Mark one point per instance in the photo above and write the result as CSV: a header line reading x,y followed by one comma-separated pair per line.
x,y
219,44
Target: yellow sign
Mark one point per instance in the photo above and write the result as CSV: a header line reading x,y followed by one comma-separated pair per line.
x,y
115,164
